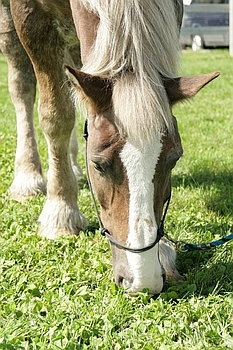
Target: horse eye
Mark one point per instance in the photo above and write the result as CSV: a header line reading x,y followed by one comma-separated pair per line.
x,y
99,168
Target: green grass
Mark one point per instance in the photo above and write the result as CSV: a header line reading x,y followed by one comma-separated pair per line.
x,y
61,295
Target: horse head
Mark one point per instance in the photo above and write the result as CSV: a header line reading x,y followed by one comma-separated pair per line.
x,y
132,180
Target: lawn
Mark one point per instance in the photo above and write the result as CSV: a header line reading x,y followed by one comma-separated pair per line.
x,y
61,294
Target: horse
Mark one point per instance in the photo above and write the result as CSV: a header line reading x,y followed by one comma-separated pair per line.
x,y
128,84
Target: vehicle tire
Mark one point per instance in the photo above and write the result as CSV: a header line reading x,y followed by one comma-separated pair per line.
x,y
197,43
183,46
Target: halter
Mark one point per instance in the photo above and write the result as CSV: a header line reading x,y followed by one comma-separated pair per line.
x,y
104,232
182,246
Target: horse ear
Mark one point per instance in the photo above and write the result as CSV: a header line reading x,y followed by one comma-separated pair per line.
x,y
98,91
182,88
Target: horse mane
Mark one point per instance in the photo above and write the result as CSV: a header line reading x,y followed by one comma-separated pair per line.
x,y
137,43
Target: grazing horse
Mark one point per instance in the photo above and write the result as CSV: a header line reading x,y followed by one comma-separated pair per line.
x,y
128,83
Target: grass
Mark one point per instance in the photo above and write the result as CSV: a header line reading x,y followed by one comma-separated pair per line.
x,y
61,295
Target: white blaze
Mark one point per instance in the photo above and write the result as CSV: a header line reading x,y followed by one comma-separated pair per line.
x,y
140,163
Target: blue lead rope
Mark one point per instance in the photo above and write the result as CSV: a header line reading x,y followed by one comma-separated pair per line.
x,y
188,247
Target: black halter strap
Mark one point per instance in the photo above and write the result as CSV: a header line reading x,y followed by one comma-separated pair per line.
x,y
160,234
104,232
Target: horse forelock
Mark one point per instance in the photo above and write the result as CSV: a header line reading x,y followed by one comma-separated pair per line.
x,y
137,42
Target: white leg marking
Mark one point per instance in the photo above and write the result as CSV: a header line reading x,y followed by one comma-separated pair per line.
x,y
60,218
140,164
27,184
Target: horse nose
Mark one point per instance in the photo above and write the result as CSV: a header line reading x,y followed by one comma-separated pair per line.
x,y
124,282
128,285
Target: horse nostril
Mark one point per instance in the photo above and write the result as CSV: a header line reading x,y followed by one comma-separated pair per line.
x,y
124,282
120,281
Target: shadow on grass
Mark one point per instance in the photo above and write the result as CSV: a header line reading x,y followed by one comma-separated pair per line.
x,y
209,270
206,274
219,200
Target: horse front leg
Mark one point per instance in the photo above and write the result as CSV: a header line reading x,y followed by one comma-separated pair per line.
x,y
28,179
60,214
28,176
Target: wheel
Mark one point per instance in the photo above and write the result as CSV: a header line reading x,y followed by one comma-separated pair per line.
x,y
197,43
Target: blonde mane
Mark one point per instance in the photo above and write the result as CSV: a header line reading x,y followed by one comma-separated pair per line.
x,y
137,42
